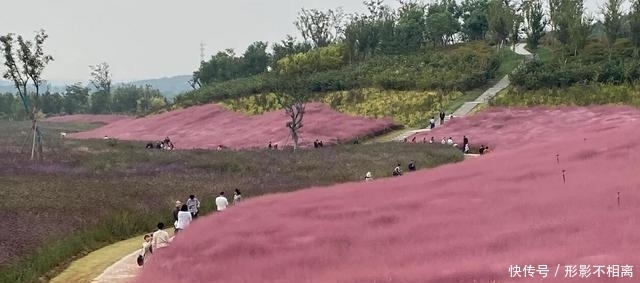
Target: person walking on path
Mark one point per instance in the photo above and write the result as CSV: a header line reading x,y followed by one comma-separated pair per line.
x,y
442,115
160,237
432,123
194,206
221,202
184,218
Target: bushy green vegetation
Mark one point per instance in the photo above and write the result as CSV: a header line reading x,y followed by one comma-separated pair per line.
x,y
581,62
577,94
462,67
414,47
87,194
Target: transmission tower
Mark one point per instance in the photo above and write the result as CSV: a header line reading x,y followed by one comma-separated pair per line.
x,y
201,51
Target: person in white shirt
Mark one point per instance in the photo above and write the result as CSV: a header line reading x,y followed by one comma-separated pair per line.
x,y
450,141
184,218
222,202
443,141
237,196
160,237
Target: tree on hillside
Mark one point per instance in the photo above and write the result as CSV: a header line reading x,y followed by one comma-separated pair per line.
x,y
442,22
101,80
292,94
475,21
634,26
579,27
25,63
536,24
612,21
320,28
255,59
410,28
571,27
288,46
501,20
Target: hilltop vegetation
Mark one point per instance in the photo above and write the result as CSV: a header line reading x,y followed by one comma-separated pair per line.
x,y
421,56
582,62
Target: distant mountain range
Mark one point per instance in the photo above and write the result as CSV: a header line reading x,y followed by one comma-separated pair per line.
x,y
168,86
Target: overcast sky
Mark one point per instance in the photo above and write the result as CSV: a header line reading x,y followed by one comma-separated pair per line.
x,y
152,38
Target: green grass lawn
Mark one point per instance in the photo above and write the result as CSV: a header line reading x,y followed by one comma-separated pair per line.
x,y
88,194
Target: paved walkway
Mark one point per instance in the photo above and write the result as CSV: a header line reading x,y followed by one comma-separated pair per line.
x,y
122,271
466,108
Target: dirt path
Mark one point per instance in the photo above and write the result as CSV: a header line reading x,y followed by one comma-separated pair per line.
x,y
466,108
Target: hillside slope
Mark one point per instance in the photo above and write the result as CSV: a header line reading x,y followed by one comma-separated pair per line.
x,y
466,222
211,125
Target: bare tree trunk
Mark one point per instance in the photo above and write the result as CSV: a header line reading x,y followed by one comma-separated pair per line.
x,y
34,124
294,137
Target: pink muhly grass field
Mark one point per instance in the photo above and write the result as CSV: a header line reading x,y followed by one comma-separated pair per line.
x,y
208,126
465,222
89,118
507,128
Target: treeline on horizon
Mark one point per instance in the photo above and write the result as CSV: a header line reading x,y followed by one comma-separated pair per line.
x,y
78,99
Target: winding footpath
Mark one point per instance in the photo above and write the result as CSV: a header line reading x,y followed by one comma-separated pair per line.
x,y
126,268
466,108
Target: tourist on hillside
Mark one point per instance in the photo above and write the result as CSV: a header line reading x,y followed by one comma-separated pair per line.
x,y
450,141
412,166
184,218
176,209
368,176
444,140
481,150
221,202
424,140
194,206
237,196
160,237
442,115
315,144
320,144
397,171
432,123
270,146
432,140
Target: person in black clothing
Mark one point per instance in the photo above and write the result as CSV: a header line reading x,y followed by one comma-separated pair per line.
x,y
481,150
315,144
442,117
465,142
320,144
412,166
270,146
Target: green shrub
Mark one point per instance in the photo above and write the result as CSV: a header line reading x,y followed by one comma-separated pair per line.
x,y
578,94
